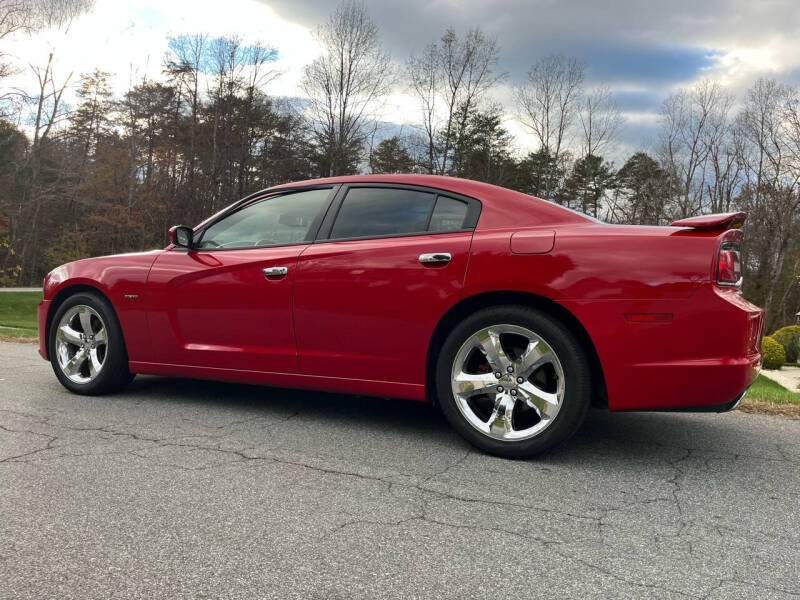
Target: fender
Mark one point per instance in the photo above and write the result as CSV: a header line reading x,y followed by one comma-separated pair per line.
x,y
122,279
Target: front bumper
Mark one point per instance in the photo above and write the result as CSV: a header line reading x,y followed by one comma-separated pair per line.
x,y
41,321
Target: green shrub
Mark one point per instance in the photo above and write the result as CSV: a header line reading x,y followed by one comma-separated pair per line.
x,y
789,338
774,354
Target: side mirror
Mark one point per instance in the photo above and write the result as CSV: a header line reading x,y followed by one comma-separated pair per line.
x,y
181,236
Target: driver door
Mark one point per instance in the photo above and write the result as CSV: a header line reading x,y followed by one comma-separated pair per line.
x,y
227,302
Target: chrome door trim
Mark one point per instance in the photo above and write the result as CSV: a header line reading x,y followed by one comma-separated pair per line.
x,y
275,272
435,258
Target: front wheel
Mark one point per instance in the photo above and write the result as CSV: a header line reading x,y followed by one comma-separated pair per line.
x,y
87,351
513,381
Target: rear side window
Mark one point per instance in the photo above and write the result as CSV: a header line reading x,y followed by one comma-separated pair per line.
x,y
449,215
369,212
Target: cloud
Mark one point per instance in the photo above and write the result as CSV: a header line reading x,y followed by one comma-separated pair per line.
x,y
618,63
642,49
129,38
638,101
661,42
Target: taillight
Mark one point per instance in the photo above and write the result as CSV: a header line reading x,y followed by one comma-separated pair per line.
x,y
729,264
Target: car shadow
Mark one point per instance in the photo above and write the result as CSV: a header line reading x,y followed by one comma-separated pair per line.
x,y
655,434
233,396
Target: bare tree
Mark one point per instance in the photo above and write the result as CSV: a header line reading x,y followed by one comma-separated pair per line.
x,y
450,78
726,171
345,84
548,102
425,81
693,122
772,193
257,57
601,119
469,72
33,15
30,16
229,60
791,111
14,16
184,62
47,112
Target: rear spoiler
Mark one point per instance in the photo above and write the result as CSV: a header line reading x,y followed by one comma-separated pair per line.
x,y
719,221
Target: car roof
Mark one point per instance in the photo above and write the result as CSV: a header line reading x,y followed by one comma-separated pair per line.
x,y
501,207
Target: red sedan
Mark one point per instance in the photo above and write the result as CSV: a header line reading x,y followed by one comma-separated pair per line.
x,y
511,313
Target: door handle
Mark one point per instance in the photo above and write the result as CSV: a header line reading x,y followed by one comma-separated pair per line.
x,y
435,258
275,272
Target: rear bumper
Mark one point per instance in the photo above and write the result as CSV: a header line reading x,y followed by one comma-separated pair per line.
x,y
703,357
713,408
41,321
730,405
704,386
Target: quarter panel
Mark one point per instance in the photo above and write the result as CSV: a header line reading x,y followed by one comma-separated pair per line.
x,y
600,262
703,348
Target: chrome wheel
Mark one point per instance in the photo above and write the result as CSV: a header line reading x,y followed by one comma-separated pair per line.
x,y
508,382
81,343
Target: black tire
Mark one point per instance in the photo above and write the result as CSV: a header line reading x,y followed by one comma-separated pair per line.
x,y
571,355
114,374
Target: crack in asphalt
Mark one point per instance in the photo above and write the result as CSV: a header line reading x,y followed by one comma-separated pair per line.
x,y
723,582
51,440
58,442
549,544
675,481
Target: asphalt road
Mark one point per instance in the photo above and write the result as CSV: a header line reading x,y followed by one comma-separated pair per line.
x,y
187,489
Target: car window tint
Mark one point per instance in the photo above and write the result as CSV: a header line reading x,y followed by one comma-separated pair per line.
x,y
272,222
448,215
367,212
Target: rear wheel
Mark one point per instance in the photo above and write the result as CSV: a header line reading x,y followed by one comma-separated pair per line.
x,y
87,351
513,381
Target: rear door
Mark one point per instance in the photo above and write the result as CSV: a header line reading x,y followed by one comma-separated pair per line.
x,y
226,303
368,295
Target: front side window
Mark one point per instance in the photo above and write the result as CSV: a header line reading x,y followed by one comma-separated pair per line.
x,y
277,221
370,212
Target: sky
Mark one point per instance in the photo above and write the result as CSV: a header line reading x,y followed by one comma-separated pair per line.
x,y
642,49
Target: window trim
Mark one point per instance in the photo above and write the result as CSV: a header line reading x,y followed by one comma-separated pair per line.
x,y
266,196
470,220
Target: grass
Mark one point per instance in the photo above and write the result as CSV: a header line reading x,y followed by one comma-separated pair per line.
x,y
766,397
766,390
18,314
